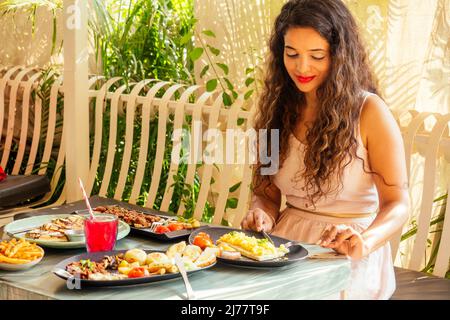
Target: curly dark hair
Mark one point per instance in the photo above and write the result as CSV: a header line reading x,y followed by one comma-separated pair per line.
x,y
331,142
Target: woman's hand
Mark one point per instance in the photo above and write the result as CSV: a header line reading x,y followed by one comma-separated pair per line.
x,y
345,240
257,220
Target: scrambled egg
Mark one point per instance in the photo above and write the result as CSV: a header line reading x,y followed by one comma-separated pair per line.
x,y
259,247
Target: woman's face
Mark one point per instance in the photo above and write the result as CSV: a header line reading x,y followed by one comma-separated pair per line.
x,y
306,58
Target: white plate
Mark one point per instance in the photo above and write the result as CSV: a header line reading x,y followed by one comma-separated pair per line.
x,y
22,266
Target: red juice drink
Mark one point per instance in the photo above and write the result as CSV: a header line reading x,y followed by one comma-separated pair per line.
x,y
101,232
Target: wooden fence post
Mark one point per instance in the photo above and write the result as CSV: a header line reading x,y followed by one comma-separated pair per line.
x,y
75,86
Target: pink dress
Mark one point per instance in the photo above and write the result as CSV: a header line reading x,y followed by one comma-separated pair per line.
x,y
371,277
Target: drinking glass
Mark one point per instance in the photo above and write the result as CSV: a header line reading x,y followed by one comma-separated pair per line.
x,y
101,232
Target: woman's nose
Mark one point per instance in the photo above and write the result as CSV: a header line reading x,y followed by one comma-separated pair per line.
x,y
303,65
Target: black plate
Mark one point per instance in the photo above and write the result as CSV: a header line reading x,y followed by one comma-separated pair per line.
x,y
168,236
60,268
296,252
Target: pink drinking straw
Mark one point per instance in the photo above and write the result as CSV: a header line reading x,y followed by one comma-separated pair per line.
x,y
86,199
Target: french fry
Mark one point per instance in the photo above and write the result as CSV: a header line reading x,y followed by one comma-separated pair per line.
x,y
15,249
32,252
19,251
13,260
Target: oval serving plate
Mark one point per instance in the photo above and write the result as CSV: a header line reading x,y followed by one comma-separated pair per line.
x,y
14,227
296,252
146,232
60,271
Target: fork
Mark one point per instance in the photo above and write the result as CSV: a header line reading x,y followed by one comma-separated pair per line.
x,y
21,231
180,264
155,225
291,243
286,245
264,233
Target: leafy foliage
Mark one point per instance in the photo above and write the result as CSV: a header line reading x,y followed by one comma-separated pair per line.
x,y
220,71
141,39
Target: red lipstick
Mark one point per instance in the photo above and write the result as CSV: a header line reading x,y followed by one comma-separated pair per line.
x,y
305,79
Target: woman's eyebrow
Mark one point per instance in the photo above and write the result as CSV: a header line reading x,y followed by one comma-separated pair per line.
x,y
315,50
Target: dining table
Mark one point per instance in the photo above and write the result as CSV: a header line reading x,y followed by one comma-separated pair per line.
x,y
309,278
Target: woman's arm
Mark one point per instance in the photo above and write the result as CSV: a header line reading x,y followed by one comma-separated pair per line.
x,y
387,158
383,140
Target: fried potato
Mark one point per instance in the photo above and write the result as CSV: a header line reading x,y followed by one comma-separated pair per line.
x,y
158,266
176,248
173,269
158,272
16,248
19,251
13,260
162,271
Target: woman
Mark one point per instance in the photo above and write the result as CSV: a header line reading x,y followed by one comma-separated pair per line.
x,y
342,164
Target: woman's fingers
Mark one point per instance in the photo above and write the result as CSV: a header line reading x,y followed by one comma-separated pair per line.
x,y
345,240
248,223
343,235
330,236
322,236
258,218
334,233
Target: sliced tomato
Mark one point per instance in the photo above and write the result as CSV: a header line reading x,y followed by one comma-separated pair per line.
x,y
203,241
175,226
204,235
137,272
162,229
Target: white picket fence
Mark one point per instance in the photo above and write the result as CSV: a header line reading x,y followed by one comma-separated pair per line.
x,y
139,104
109,97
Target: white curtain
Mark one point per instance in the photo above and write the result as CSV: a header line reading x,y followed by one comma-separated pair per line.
x,y
22,46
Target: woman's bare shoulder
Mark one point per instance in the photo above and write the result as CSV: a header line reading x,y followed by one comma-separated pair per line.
x,y
376,120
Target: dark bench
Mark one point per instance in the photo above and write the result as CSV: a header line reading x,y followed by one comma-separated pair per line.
x,y
413,285
15,190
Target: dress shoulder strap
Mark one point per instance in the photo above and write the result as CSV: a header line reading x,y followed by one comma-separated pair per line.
x,y
365,95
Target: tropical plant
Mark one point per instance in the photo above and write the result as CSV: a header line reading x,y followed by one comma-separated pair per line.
x,y
220,71
436,223
141,39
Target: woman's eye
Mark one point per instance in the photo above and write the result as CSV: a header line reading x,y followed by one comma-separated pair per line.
x,y
292,55
318,58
